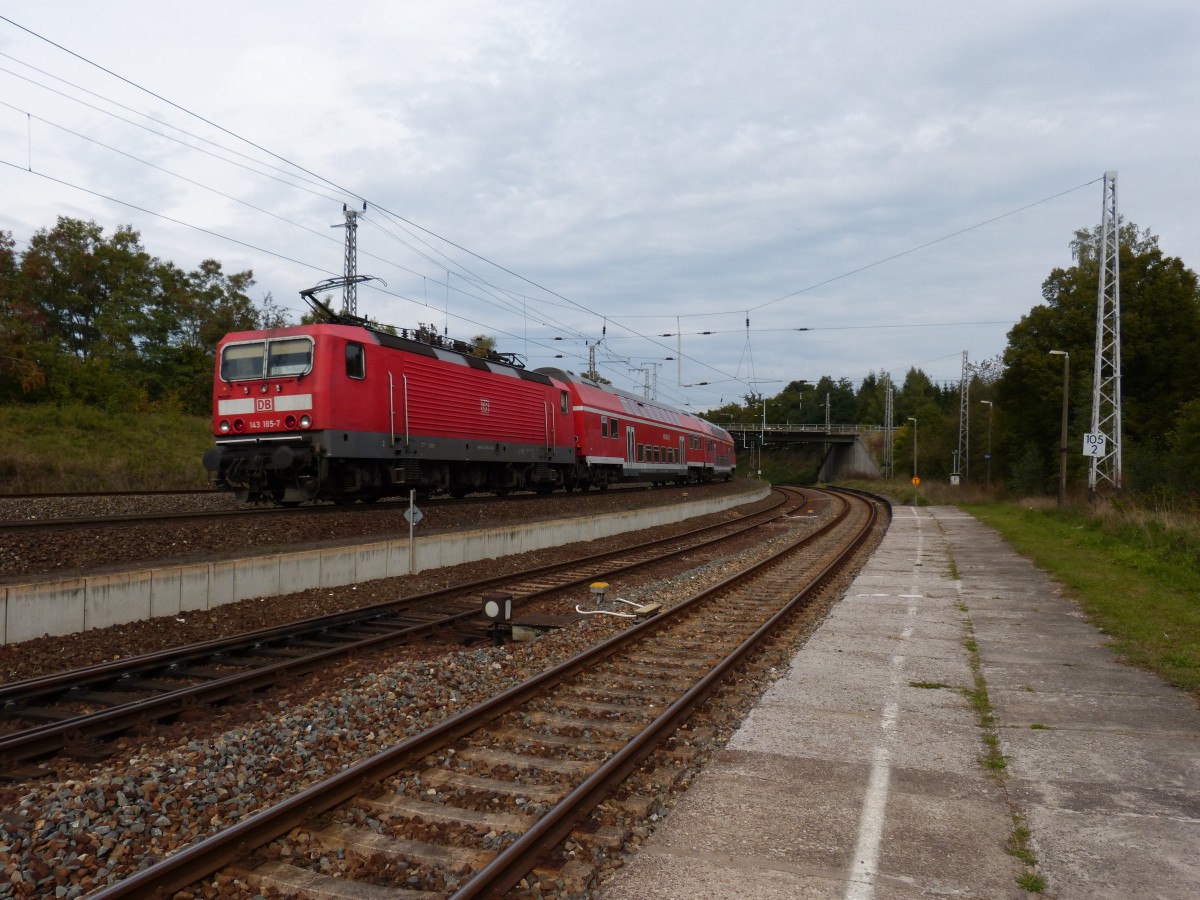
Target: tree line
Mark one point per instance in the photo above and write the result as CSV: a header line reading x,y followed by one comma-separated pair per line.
x,y
98,320
1160,384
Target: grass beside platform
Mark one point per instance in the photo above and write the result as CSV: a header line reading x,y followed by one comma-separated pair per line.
x,y
1142,593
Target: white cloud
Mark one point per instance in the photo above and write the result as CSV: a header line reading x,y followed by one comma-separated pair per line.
x,y
672,159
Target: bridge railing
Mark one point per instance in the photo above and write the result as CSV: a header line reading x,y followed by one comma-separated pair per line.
x,y
800,429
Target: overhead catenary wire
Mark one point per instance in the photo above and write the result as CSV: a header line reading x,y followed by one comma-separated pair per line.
x,y
294,168
377,206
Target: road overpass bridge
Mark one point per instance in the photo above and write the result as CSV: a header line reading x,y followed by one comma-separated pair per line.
x,y
846,454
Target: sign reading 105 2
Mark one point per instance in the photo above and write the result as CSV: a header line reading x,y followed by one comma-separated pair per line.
x,y
1094,445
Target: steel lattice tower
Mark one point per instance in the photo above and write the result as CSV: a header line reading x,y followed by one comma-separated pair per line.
x,y
350,289
888,461
1106,373
964,418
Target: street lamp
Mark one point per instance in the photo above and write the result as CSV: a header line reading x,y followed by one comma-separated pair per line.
x,y
1062,441
989,444
913,419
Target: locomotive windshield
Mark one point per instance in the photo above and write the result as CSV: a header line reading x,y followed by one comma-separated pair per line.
x,y
277,358
292,356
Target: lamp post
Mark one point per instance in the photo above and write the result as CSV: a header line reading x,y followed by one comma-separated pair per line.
x,y
913,419
1062,441
989,444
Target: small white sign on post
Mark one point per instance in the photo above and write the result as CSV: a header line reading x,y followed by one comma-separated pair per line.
x,y
414,518
1094,445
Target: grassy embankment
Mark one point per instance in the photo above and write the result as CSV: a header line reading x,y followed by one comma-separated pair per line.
x,y
1133,570
77,448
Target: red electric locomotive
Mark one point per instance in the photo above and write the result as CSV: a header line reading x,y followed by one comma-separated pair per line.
x,y
345,412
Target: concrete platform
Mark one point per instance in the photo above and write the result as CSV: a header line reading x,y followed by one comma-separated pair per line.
x,y
860,773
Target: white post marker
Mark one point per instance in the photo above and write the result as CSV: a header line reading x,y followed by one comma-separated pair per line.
x,y
414,518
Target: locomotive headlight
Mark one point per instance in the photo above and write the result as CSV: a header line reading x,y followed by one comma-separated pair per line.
x,y
289,423
305,422
224,426
239,425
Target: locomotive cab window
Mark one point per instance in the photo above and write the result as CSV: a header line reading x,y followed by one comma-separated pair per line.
x,y
562,401
242,361
356,361
289,356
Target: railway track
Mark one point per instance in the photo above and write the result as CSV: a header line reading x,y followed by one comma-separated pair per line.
x,y
483,801
67,495
79,712
14,520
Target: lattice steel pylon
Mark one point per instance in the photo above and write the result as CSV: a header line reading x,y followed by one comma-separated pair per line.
x,y
888,460
350,288
964,418
1106,373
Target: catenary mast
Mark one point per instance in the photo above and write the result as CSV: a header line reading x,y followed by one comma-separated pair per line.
x,y
1106,374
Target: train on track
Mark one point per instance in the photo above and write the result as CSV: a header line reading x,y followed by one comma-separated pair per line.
x,y
347,412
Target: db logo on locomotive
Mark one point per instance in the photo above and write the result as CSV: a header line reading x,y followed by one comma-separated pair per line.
x,y
264,404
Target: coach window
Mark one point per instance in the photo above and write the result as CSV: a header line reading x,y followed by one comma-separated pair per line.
x,y
614,429
604,426
356,361
641,456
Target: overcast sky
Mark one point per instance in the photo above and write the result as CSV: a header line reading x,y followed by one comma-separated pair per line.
x,y
898,178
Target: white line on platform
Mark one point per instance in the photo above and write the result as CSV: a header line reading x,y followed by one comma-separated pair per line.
x,y
861,885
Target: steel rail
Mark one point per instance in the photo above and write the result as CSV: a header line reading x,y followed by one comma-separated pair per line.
x,y
33,743
522,855
202,859
68,495
385,504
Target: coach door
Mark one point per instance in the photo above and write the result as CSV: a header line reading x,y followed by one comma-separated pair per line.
x,y
630,446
